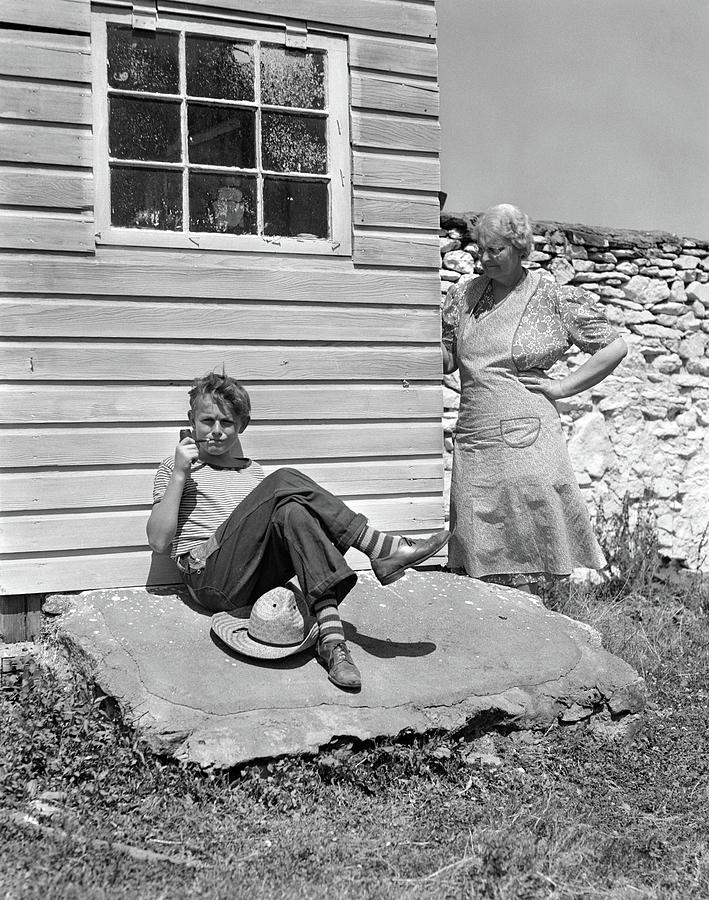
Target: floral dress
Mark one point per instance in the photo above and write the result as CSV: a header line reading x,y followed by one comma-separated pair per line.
x,y
517,513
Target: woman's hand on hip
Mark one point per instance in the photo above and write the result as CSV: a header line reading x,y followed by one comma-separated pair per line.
x,y
539,382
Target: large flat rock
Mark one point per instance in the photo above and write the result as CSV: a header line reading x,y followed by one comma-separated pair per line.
x,y
436,651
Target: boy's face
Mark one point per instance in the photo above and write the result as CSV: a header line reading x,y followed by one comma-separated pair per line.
x,y
215,425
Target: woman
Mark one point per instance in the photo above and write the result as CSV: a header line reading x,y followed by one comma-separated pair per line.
x,y
517,515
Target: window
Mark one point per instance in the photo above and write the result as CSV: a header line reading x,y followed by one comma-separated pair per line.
x,y
220,137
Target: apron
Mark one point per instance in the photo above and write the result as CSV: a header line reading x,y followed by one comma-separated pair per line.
x,y
515,503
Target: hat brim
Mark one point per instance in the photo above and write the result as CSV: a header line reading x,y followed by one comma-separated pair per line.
x,y
233,631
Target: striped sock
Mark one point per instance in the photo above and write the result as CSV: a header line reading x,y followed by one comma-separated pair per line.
x,y
375,543
329,621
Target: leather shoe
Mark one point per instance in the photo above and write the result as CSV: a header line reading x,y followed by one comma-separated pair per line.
x,y
341,670
409,553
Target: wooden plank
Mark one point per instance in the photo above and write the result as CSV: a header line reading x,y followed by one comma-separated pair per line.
x,y
131,568
381,210
45,188
395,132
388,170
86,489
47,144
73,403
50,533
390,55
60,57
386,249
105,319
45,102
400,95
267,443
163,362
33,232
196,276
69,15
417,19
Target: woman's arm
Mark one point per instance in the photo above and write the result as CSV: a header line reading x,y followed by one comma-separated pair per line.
x,y
450,363
594,370
162,523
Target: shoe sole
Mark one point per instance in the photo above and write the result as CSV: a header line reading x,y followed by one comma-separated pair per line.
x,y
399,573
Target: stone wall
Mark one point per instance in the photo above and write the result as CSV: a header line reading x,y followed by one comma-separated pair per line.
x,y
644,430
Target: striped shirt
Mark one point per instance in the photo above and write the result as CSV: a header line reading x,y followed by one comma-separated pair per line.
x,y
209,497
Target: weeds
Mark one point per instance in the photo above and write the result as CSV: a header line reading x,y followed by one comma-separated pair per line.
x,y
505,817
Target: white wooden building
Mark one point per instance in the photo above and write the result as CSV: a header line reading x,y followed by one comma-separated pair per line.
x,y
190,185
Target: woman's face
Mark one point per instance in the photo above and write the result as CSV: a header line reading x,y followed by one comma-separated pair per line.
x,y
500,260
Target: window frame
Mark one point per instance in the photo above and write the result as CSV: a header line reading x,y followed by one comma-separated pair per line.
x,y
339,151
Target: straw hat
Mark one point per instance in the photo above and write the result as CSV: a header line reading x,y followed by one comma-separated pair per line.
x,y
280,624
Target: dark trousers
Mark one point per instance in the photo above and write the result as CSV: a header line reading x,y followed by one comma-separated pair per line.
x,y
287,526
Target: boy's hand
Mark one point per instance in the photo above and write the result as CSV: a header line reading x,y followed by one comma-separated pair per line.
x,y
186,453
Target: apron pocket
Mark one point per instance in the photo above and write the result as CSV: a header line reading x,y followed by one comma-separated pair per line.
x,y
520,432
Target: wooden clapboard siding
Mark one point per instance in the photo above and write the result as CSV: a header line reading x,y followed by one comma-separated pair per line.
x,y
379,209
45,102
42,188
66,15
99,530
389,170
32,232
56,145
197,276
128,568
376,249
41,490
371,91
45,122
93,360
391,55
395,132
130,446
388,16
276,322
51,404
59,57
340,355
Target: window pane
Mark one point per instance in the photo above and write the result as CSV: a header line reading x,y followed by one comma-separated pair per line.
x,y
221,135
222,69
141,61
293,143
295,208
225,204
292,77
144,129
146,198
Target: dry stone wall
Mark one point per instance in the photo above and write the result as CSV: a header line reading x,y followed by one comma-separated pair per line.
x,y
644,431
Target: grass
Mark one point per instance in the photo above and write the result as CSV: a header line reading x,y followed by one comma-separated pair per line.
x,y
85,813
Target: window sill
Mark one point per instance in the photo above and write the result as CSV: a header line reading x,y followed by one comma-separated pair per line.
x,y
133,237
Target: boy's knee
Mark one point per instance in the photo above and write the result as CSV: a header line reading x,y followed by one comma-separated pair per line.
x,y
287,477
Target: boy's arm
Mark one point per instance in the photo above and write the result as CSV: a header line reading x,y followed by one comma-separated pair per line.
x,y
162,523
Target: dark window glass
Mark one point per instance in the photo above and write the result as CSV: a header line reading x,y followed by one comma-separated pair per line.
x,y
294,143
141,61
295,208
146,198
144,129
225,204
221,135
221,69
292,77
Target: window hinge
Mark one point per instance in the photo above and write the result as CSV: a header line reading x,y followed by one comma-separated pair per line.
x,y
145,15
297,36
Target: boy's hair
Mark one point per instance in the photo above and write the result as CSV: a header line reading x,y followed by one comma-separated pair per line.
x,y
224,390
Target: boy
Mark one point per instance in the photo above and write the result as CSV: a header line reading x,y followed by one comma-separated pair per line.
x,y
236,534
